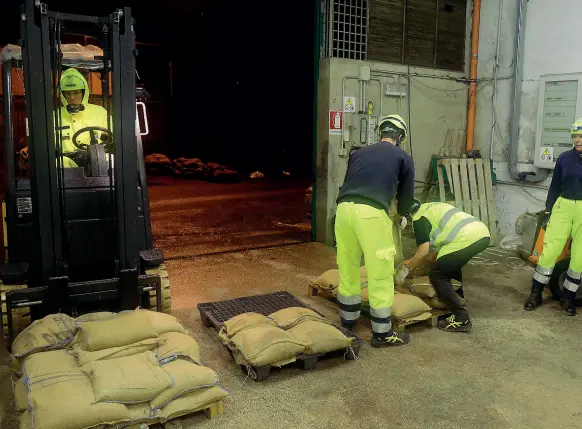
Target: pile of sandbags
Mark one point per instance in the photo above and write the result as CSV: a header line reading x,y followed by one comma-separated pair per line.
x,y
157,164
406,308
109,369
194,168
275,340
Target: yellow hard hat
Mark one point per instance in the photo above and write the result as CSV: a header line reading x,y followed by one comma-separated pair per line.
x,y
394,123
577,127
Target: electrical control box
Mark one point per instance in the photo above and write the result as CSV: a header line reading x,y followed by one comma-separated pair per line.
x,y
560,104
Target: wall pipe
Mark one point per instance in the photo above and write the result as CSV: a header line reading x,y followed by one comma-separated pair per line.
x,y
530,177
472,105
496,75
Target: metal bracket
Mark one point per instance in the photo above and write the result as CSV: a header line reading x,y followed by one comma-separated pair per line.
x,y
43,8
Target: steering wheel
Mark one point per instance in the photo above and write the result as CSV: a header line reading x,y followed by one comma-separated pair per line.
x,y
84,146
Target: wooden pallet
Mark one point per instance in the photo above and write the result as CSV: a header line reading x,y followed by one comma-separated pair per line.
x,y
470,183
211,410
399,326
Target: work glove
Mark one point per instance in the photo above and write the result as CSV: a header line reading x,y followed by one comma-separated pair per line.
x,y
401,275
403,223
546,219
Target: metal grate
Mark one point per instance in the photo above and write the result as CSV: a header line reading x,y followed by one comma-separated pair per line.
x,y
220,311
346,28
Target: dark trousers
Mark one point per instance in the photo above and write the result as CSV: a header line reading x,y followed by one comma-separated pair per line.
x,y
449,267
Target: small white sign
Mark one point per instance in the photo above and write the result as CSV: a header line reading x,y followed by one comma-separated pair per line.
x,y
547,154
349,104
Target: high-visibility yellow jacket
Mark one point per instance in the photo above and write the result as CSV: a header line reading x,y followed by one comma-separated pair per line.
x,y
451,228
92,115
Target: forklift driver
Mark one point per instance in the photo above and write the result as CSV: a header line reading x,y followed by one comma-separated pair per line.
x,y
77,113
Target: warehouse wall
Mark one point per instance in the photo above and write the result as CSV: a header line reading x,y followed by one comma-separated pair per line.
x,y
437,119
551,40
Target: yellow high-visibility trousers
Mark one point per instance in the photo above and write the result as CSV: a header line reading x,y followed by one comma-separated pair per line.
x,y
362,229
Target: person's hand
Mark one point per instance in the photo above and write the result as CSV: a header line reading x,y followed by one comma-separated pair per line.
x,y
401,275
403,223
546,219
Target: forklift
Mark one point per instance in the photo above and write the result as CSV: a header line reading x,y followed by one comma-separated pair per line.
x,y
77,239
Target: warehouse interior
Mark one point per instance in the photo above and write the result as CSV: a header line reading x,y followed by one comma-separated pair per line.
x,y
253,89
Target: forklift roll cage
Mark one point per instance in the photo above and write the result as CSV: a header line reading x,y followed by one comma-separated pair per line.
x,y
47,274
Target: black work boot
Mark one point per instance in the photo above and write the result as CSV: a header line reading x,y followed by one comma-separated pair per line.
x,y
534,300
455,323
568,302
390,339
348,325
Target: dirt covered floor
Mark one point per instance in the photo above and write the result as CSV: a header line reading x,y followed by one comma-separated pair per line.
x,y
516,369
191,217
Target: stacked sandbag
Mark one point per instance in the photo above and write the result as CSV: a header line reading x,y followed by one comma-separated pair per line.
x,y
119,369
275,340
422,288
188,168
157,163
329,281
220,173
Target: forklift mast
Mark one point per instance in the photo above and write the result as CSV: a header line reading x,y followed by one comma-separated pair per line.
x,y
49,287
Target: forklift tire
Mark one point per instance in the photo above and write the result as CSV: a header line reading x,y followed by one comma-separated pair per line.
x,y
20,316
166,289
557,280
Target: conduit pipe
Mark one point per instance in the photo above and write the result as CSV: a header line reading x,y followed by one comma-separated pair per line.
x,y
530,177
472,104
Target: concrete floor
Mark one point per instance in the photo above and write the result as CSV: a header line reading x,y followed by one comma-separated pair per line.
x,y
515,370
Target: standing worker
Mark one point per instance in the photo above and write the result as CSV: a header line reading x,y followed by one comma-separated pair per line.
x,y
375,174
456,237
563,218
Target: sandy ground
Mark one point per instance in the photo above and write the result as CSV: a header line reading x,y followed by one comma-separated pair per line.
x,y
192,218
516,369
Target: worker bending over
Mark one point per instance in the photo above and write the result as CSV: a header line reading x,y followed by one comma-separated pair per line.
x,y
375,174
77,113
456,237
564,219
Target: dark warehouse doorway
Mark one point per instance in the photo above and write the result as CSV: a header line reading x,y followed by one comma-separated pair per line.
x,y
232,86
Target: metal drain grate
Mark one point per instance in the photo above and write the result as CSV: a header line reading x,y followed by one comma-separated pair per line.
x,y
220,311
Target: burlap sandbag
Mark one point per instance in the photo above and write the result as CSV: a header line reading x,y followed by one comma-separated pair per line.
x,y
422,287
265,345
84,357
177,345
319,337
128,380
192,402
68,403
243,321
329,281
407,306
53,332
127,327
91,317
187,377
437,304
20,397
140,413
56,363
289,317
164,323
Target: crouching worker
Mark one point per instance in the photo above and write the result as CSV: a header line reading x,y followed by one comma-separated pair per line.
x,y
456,237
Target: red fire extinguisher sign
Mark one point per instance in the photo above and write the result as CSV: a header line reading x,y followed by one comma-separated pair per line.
x,y
336,119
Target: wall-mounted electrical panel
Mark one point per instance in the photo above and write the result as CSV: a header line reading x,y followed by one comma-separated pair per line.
x,y
560,104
